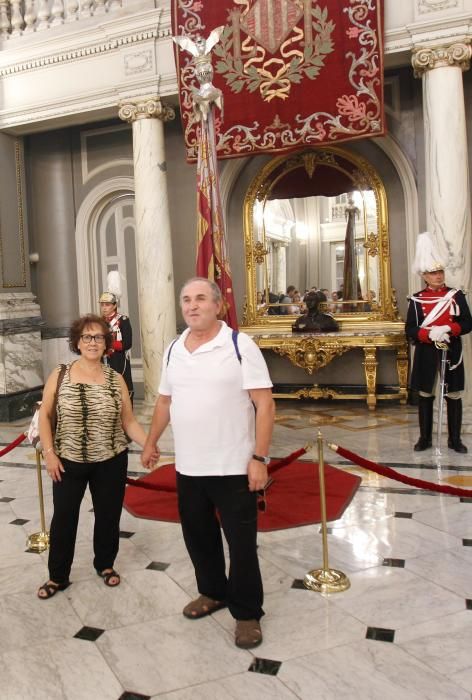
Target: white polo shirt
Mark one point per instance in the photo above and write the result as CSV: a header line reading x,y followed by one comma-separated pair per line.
x,y
212,416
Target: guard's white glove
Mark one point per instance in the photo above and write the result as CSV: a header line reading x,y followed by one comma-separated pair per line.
x,y
439,334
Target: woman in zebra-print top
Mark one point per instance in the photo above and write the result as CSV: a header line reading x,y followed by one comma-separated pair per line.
x,y
90,404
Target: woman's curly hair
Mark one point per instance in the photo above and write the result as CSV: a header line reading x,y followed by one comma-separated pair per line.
x,y
77,329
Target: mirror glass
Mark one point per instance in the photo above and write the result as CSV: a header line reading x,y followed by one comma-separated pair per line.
x,y
316,220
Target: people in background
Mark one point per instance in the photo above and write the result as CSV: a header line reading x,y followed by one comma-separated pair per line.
x,y
297,306
286,299
437,317
333,306
118,356
370,299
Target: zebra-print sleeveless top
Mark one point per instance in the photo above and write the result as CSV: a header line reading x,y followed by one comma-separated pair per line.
x,y
89,419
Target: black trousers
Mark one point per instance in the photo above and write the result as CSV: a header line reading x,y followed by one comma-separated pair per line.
x,y
199,498
106,481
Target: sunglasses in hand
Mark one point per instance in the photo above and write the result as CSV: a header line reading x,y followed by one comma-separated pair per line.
x,y
262,496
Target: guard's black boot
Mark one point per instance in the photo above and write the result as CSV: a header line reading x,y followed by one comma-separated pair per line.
x,y
425,417
454,425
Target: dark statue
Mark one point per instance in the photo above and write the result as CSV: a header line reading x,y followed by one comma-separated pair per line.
x,y
315,321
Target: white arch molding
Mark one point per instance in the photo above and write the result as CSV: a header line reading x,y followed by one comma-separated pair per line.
x,y
406,175
85,228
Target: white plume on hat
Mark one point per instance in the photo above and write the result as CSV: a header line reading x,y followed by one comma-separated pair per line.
x,y
113,291
427,258
114,283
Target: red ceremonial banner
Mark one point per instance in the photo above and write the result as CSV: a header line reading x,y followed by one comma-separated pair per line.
x,y
292,72
212,255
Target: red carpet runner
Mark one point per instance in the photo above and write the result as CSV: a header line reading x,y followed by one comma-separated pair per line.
x,y
293,499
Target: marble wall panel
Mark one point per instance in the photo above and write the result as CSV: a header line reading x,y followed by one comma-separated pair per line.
x,y
21,362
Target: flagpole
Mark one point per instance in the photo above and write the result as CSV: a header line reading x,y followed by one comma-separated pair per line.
x,y
212,259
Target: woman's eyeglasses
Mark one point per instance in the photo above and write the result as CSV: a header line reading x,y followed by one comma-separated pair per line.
x,y
97,338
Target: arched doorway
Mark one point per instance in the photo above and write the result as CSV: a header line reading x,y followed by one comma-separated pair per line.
x,y
105,241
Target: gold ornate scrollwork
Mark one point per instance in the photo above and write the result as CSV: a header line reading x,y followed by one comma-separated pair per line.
x,y
402,370
309,161
315,392
361,180
370,367
311,353
259,252
372,244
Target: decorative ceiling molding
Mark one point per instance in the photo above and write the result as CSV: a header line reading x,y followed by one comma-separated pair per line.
x,y
83,52
425,6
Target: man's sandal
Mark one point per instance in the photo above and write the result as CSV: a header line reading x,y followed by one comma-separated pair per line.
x,y
50,589
248,634
108,575
202,606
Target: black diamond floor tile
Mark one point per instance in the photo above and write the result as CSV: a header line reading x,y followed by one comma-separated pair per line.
x,y
127,695
266,666
90,634
380,634
157,566
126,535
298,583
399,514
400,563
19,521
468,604
467,543
465,500
5,499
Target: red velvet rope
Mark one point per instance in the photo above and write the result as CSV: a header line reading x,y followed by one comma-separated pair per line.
x,y
13,444
392,474
140,483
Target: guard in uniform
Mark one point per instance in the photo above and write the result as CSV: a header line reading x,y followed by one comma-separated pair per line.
x,y
437,314
120,326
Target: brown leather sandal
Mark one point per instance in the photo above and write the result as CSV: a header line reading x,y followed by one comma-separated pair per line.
x,y
107,575
248,634
50,588
202,606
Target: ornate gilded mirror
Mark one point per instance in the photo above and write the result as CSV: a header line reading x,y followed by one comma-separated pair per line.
x,y
317,218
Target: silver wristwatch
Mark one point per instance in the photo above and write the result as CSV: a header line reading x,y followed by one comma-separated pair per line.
x,y
264,460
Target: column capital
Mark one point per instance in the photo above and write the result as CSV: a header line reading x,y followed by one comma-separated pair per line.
x,y
131,110
426,58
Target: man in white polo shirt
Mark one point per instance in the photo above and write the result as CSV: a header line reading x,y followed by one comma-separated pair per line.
x,y
216,390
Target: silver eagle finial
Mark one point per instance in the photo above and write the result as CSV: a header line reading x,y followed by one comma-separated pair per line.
x,y
200,49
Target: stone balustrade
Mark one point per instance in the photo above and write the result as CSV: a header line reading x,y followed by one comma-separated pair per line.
x,y
19,17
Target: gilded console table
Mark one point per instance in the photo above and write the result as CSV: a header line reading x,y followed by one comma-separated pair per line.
x,y
315,350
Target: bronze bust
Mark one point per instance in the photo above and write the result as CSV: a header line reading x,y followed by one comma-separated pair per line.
x,y
315,321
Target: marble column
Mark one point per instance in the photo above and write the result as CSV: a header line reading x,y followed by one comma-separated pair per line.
x,y
447,175
153,236
280,284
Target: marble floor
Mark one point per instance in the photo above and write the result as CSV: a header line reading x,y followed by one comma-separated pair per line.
x,y
402,630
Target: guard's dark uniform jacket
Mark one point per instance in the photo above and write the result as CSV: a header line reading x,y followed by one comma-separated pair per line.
x,y
455,314
119,358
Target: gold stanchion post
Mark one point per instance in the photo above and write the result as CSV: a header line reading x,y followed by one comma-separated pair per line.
x,y
39,541
324,580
